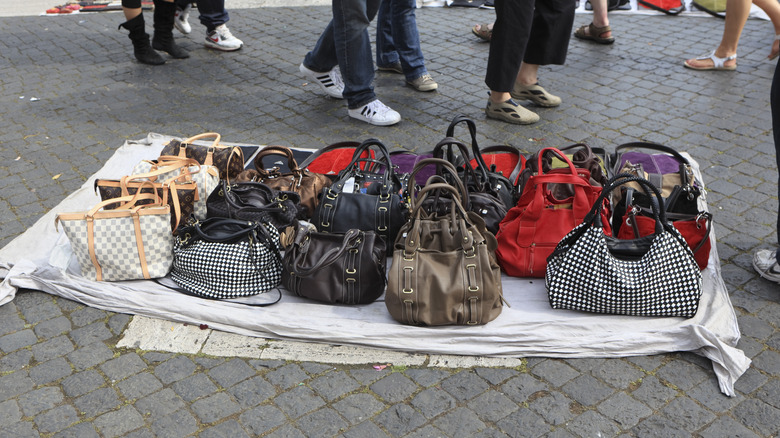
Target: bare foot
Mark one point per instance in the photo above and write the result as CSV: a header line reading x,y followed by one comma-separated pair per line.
x,y
708,63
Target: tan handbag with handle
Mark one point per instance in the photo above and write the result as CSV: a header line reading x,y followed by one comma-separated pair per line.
x,y
307,184
228,159
444,269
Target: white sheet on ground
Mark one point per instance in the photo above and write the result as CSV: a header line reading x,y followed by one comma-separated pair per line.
x,y
530,327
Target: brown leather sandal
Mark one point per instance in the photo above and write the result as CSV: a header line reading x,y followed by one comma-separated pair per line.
x,y
483,31
594,33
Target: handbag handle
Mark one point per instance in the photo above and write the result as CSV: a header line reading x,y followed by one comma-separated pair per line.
x,y
352,238
684,163
226,188
561,155
468,171
472,127
275,150
412,240
441,166
511,150
217,229
213,135
382,158
130,202
330,148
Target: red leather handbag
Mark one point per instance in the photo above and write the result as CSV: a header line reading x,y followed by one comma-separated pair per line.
x,y
531,230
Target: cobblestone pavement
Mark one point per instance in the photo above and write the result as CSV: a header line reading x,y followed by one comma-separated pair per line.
x,y
71,94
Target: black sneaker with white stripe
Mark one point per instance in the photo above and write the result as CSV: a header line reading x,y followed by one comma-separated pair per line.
x,y
330,81
375,113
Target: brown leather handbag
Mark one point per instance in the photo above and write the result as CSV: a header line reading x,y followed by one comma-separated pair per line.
x,y
228,159
307,184
444,269
346,268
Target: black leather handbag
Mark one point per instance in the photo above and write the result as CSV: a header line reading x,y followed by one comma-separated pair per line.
x,y
362,198
346,268
254,201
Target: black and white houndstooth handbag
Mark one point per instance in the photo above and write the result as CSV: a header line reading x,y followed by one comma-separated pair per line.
x,y
223,258
655,275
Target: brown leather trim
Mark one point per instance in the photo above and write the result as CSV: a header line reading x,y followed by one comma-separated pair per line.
x,y
139,241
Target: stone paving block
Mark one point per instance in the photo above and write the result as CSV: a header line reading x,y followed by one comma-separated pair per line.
x,y
298,401
140,385
495,376
50,371
208,362
399,420
159,404
89,334
653,393
758,416
555,371
17,360
97,402
9,319
431,402
123,366
357,408
117,323
174,369
48,350
231,372
587,390
39,400
524,422
617,373
394,388
17,340
52,327
682,375
90,355
492,406
227,429
264,365
554,407
368,428
178,424
367,376
14,384
661,426
87,315
261,419
21,429
460,422
287,376
215,407
36,306
286,431
464,385
119,422
9,413
711,398
232,345
768,361
80,430
430,377
194,387
521,387
82,383
333,385
56,419
725,427
624,410
323,423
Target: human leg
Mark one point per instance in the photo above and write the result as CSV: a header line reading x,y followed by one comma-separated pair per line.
x,y
725,56
134,22
772,9
351,19
598,30
164,15
387,58
181,19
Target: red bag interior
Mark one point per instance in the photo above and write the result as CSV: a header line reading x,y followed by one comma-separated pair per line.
x,y
504,162
333,162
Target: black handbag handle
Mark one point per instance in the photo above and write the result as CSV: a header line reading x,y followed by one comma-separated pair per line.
x,y
511,150
253,185
383,158
332,147
468,171
652,146
441,166
472,127
351,240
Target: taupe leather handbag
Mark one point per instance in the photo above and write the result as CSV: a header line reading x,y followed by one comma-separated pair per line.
x,y
307,184
444,269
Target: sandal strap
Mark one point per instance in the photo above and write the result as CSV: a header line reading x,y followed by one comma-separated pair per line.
x,y
777,37
717,62
598,31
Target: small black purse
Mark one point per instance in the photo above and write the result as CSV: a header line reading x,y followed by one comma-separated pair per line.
x,y
254,201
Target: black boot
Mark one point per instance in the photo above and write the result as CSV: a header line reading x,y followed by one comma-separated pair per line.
x,y
141,48
164,14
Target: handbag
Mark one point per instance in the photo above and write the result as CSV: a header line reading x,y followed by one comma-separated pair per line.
x,y
363,199
133,241
206,178
229,160
582,158
695,228
332,159
532,228
223,258
179,192
254,201
346,268
488,181
668,7
504,159
308,185
444,270
655,275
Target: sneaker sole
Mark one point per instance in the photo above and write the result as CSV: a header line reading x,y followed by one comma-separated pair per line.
x,y
533,99
222,48
375,123
310,75
428,88
509,119
763,275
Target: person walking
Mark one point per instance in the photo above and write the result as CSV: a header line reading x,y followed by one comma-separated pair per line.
x,y
214,16
164,13
398,44
526,34
598,30
341,62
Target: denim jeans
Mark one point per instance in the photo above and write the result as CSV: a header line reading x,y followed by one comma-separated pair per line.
x,y
774,103
212,12
397,38
345,42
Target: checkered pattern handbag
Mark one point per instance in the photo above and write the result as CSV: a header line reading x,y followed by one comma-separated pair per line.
x,y
223,258
655,275
130,242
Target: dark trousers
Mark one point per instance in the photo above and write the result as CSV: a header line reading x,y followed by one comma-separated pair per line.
x,y
212,13
534,32
774,101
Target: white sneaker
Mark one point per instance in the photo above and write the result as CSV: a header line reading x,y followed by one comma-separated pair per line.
x,y
375,113
765,263
221,39
330,82
181,19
